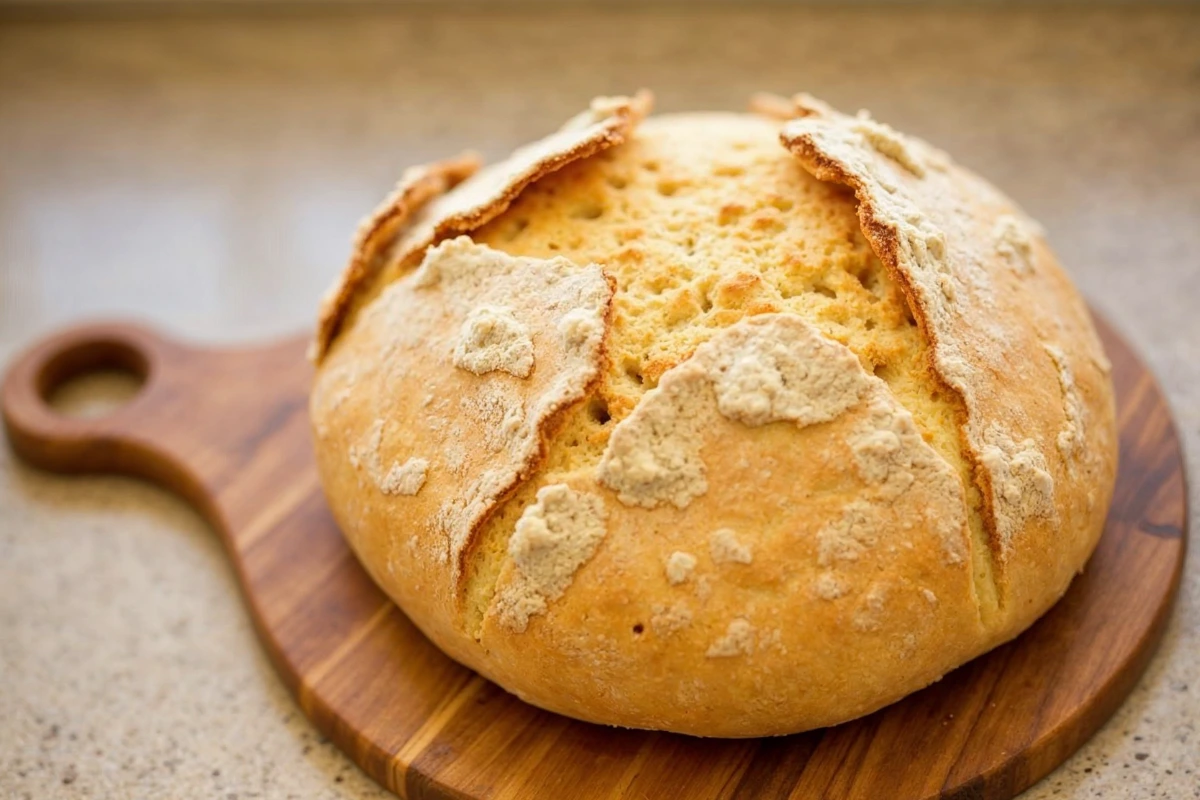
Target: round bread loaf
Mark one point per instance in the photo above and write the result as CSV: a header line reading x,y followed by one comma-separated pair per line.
x,y
724,424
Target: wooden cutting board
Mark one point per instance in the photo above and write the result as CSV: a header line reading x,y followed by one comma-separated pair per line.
x,y
228,430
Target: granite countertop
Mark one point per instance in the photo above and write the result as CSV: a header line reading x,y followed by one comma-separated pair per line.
x,y
203,170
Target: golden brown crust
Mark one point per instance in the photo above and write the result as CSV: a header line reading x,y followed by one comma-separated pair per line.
x,y
875,551
741,508
483,195
607,123
415,188
476,432
991,299
421,211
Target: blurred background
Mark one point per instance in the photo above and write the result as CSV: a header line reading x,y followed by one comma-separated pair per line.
x,y
201,165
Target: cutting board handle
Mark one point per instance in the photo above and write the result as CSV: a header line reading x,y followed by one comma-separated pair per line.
x,y
177,431
44,437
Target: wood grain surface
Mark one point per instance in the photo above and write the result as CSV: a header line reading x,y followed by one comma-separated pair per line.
x,y
228,430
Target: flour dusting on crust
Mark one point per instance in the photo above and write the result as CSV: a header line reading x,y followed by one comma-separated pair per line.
x,y
890,142
679,567
484,426
498,415
400,478
768,368
726,549
1014,243
416,187
1070,438
492,338
828,587
779,368
653,455
580,330
737,640
453,197
782,372
553,538
928,226
870,608
463,273
892,458
365,452
405,479
1022,484
848,536
667,619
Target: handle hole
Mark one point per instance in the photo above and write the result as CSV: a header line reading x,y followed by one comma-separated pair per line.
x,y
93,379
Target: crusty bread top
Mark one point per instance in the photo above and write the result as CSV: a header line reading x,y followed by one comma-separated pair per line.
x,y
505,344
970,265
415,188
928,280
696,397
420,213
705,220
778,368
709,419
769,368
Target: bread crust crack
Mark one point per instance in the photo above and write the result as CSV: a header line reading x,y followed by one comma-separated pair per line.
x,y
422,210
914,218
769,368
681,421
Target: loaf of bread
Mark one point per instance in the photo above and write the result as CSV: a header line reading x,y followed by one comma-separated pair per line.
x,y
723,424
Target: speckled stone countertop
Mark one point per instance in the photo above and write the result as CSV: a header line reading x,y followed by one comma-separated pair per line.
x,y
203,170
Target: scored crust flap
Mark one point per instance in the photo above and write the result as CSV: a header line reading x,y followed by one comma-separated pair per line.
x,y
415,188
398,238
710,511
469,359
634,582
991,301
